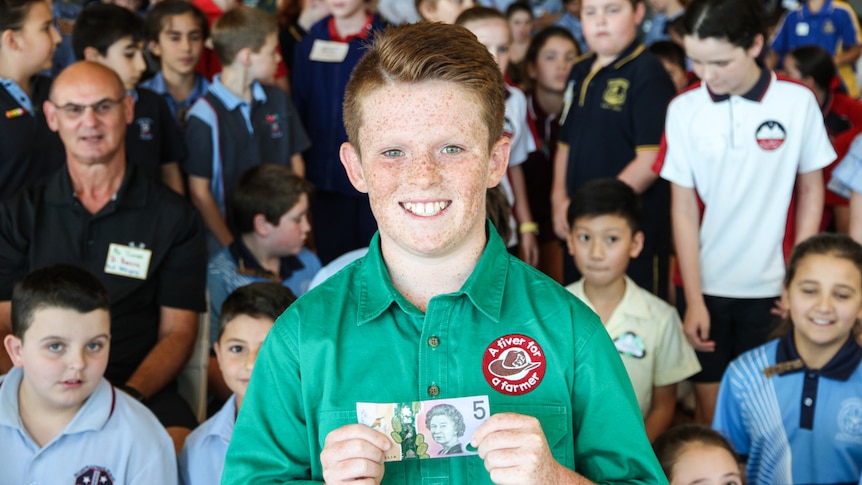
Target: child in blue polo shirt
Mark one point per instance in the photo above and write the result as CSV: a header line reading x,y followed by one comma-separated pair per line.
x,y
791,407
240,123
114,36
247,315
60,419
177,31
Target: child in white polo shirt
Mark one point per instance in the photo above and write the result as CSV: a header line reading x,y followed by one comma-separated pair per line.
x,y
60,420
604,216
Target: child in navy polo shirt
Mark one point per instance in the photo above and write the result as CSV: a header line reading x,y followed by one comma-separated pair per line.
x,y
247,315
611,126
60,419
28,42
114,36
177,31
322,64
240,123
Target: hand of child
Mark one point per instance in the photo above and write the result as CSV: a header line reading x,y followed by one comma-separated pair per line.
x,y
354,453
516,451
696,328
529,249
560,209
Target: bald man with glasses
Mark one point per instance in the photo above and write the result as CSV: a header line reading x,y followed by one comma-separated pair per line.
x,y
144,242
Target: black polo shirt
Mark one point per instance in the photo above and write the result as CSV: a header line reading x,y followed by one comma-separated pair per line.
x,y
615,112
153,138
46,225
29,150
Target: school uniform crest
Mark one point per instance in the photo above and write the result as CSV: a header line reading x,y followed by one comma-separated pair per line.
x,y
615,94
94,475
850,421
514,364
828,27
273,121
145,128
770,135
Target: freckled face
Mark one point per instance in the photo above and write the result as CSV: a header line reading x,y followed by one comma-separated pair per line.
x,y
426,166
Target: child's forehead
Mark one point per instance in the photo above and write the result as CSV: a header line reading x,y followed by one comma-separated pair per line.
x,y
128,42
181,22
68,323
601,222
245,326
603,3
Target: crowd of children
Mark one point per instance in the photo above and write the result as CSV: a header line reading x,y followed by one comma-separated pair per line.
x,y
658,143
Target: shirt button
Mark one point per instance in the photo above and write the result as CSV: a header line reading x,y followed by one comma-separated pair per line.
x,y
812,375
433,341
808,401
433,390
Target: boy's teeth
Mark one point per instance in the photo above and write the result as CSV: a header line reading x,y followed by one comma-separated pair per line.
x,y
425,209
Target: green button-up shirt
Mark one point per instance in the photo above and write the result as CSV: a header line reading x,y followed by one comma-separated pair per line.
x,y
357,339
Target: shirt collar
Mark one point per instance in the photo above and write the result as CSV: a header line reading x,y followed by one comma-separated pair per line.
x,y
484,287
841,366
20,96
755,94
133,190
92,416
826,9
632,303
362,34
247,264
225,420
231,100
627,55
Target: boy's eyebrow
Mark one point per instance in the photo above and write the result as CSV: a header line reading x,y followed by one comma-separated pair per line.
x,y
58,337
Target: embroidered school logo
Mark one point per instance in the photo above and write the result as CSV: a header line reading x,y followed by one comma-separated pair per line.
x,y
828,27
94,475
770,135
850,421
274,125
514,364
631,345
145,128
615,94
508,128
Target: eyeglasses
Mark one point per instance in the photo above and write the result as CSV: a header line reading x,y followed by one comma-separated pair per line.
x,y
101,108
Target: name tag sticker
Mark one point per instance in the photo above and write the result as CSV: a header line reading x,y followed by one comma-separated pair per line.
x,y
328,51
127,261
802,29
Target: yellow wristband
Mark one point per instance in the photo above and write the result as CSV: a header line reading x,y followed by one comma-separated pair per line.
x,y
528,227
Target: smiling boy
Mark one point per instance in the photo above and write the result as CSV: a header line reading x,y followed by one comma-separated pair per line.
x,y
436,294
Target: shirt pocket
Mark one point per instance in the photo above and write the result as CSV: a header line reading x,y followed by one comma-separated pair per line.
x,y
555,425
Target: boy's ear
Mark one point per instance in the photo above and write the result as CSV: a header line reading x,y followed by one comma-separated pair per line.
x,y
243,56
426,11
570,243
8,39
637,244
756,46
13,348
91,54
155,48
353,166
217,350
640,12
261,225
499,160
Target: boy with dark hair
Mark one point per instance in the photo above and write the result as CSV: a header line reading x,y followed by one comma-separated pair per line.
x,y
436,305
114,36
59,417
240,123
322,64
605,217
269,212
247,315
177,31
